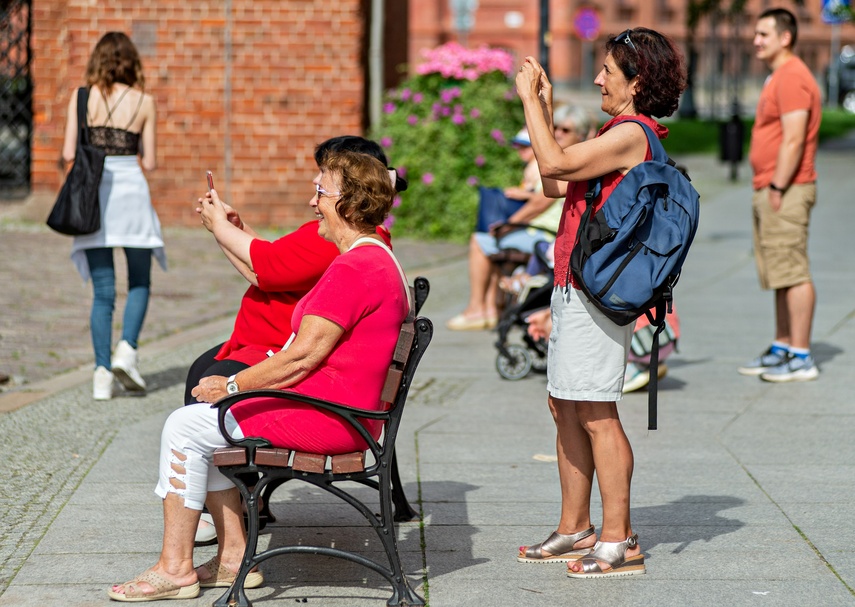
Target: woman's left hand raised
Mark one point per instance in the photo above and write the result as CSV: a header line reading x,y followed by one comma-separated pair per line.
x,y
210,389
532,83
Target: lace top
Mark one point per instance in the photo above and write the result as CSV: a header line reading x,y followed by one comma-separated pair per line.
x,y
114,141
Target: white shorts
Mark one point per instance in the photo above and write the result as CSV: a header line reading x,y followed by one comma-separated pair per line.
x,y
587,351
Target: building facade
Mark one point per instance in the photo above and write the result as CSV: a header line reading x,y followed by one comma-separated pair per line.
x,y
244,88
578,28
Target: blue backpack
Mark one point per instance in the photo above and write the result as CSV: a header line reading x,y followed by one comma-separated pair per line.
x,y
629,254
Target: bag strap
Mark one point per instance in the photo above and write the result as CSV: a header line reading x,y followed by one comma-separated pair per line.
x,y
369,240
82,126
653,369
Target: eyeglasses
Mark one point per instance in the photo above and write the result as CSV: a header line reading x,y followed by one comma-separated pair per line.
x,y
322,192
623,38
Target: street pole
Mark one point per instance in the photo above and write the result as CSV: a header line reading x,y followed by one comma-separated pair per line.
x,y
545,40
833,74
375,63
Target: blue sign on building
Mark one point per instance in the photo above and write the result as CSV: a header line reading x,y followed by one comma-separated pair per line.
x,y
835,11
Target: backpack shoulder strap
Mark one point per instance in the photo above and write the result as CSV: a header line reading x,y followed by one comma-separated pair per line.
x,y
656,149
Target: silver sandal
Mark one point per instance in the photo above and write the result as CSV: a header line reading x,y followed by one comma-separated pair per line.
x,y
559,547
614,554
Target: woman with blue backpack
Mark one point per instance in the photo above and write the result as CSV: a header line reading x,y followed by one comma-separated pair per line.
x,y
642,77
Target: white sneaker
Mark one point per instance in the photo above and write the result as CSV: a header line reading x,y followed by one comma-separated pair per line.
x,y
124,365
102,384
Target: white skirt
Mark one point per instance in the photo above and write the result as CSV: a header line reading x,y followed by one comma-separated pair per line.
x,y
587,351
128,218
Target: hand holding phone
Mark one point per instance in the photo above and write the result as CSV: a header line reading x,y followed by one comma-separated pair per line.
x,y
210,176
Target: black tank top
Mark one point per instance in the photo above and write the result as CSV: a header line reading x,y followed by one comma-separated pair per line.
x,y
113,140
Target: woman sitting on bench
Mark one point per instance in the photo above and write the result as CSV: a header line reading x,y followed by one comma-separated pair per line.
x,y
346,329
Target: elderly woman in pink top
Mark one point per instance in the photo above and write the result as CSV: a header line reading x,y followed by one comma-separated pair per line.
x,y
345,330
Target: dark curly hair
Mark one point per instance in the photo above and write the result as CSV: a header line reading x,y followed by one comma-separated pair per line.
x,y
656,62
366,190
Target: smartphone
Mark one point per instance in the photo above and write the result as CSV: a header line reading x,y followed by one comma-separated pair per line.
x,y
210,180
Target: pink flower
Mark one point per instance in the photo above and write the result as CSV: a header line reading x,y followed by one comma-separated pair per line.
x,y
396,202
412,120
449,95
402,171
458,119
417,98
406,94
498,136
427,178
389,108
480,161
452,60
475,113
386,142
472,180
389,221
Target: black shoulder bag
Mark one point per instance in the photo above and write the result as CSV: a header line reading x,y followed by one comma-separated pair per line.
x,y
77,210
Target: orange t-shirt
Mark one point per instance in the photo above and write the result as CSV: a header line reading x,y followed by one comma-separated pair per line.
x,y
789,88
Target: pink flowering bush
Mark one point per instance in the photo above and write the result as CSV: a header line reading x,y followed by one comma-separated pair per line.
x,y
449,129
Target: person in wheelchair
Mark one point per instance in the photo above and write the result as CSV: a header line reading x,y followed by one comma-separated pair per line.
x,y
539,217
345,331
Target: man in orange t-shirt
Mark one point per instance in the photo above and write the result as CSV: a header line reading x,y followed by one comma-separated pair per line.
x,y
783,150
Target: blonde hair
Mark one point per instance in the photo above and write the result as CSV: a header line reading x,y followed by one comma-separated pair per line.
x,y
114,59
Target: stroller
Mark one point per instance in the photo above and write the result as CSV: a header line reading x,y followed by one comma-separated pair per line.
x,y
515,361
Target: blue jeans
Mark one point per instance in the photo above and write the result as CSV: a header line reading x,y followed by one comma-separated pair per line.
x,y
104,288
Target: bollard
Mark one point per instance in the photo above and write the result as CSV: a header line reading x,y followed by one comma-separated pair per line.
x,y
731,139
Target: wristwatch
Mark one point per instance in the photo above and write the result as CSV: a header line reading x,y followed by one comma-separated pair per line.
x,y
775,188
231,385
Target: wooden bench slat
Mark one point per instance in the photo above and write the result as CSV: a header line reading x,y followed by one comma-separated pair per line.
x,y
348,462
404,344
272,457
309,462
390,388
230,456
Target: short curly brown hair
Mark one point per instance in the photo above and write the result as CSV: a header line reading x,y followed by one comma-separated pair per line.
x,y
657,63
366,188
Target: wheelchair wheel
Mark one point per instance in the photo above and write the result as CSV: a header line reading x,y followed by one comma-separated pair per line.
x,y
538,363
517,366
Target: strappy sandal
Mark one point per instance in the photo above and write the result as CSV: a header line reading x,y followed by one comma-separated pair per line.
x,y
614,554
163,589
559,547
223,577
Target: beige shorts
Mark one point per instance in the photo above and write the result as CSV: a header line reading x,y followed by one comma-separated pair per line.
x,y
780,239
587,351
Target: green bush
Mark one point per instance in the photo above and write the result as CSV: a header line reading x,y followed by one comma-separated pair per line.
x,y
701,136
448,129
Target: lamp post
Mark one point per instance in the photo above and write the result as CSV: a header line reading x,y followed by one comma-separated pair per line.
x,y
545,36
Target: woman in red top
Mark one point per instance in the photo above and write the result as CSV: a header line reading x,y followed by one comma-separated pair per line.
x,y
280,272
642,76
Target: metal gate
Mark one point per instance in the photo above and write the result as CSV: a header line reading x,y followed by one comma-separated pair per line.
x,y
16,98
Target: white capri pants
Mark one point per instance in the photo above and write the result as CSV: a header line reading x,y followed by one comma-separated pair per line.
x,y
193,432
587,351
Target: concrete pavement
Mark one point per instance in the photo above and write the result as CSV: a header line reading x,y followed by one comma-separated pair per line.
x,y
744,496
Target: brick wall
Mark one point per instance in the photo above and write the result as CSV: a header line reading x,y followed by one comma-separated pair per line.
x,y
247,93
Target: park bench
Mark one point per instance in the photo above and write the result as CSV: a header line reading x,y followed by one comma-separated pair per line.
x,y
375,468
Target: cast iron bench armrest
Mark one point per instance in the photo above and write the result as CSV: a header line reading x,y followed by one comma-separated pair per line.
x,y
252,443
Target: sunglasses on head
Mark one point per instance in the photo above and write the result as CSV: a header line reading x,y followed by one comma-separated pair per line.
x,y
623,38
